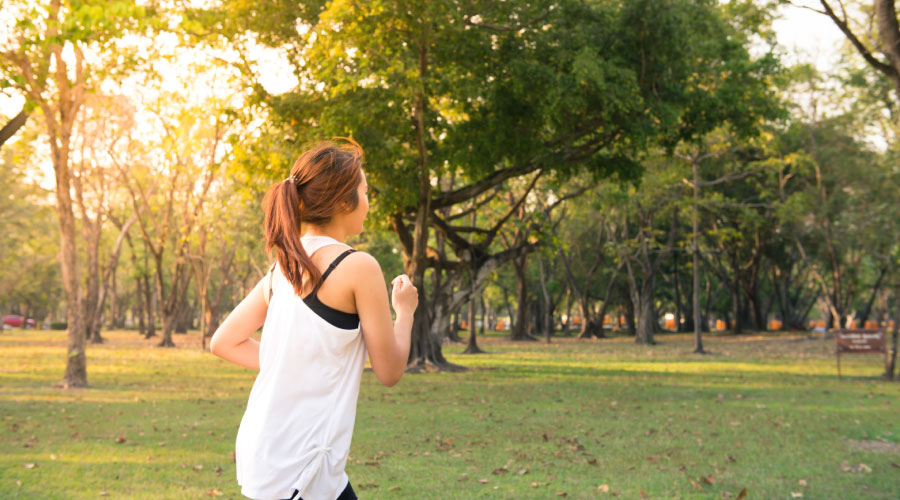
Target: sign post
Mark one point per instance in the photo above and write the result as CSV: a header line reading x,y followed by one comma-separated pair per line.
x,y
859,341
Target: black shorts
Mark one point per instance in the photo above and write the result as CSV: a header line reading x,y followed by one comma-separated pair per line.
x,y
347,494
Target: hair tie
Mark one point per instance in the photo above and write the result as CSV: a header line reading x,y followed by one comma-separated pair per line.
x,y
290,179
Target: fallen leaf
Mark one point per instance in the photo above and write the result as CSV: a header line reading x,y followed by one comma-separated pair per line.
x,y
802,482
695,484
796,494
198,468
30,466
710,479
214,493
121,439
394,488
561,494
103,494
604,488
742,495
483,481
500,470
521,472
644,495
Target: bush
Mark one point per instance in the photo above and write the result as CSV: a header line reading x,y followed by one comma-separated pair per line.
x,y
59,325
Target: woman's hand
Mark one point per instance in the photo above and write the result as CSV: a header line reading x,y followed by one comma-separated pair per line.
x,y
404,296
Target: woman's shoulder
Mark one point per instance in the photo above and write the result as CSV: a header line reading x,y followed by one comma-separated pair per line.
x,y
362,261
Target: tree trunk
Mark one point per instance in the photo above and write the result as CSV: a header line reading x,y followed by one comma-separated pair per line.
x,y
472,342
92,286
60,134
629,317
695,252
646,315
151,307
113,302
168,326
759,319
678,304
139,284
892,358
520,326
485,314
865,313
889,35
547,302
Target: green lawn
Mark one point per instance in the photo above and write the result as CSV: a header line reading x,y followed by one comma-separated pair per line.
x,y
597,419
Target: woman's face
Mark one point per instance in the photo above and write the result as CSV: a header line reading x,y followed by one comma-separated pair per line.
x,y
357,216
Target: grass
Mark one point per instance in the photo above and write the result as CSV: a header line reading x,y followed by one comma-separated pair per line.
x,y
572,419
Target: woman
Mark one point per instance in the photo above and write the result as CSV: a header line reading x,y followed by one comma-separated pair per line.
x,y
322,307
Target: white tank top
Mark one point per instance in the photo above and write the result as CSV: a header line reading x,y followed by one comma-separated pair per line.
x,y
296,431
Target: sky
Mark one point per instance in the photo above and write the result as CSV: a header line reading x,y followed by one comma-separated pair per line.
x,y
808,36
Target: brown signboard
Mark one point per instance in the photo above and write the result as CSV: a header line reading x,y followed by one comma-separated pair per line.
x,y
859,341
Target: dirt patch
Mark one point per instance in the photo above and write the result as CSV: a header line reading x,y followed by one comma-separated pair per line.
x,y
875,446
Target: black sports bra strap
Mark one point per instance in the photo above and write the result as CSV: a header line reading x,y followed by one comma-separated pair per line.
x,y
271,275
334,264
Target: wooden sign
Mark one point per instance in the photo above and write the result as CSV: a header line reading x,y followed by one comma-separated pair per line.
x,y
859,341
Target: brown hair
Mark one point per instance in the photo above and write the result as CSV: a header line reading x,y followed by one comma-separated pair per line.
x,y
323,182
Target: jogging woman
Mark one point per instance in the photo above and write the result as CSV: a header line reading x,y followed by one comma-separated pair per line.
x,y
322,307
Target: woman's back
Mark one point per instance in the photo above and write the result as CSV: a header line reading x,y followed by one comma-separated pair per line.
x,y
300,414
320,320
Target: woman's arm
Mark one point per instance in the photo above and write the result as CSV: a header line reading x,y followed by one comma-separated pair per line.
x,y
232,341
387,344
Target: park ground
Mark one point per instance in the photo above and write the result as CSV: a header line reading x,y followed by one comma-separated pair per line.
x,y
573,419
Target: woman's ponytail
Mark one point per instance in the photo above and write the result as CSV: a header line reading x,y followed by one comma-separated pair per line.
x,y
283,206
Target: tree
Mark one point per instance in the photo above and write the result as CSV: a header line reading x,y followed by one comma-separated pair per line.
x,y
487,91
168,191
36,61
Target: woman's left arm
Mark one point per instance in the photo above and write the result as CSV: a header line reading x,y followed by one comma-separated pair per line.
x,y
232,341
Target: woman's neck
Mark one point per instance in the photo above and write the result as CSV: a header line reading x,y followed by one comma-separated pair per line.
x,y
329,231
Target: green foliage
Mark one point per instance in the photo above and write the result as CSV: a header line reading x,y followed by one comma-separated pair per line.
x,y
29,270
562,85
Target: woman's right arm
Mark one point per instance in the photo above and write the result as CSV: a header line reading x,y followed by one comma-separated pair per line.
x,y
387,344
232,341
